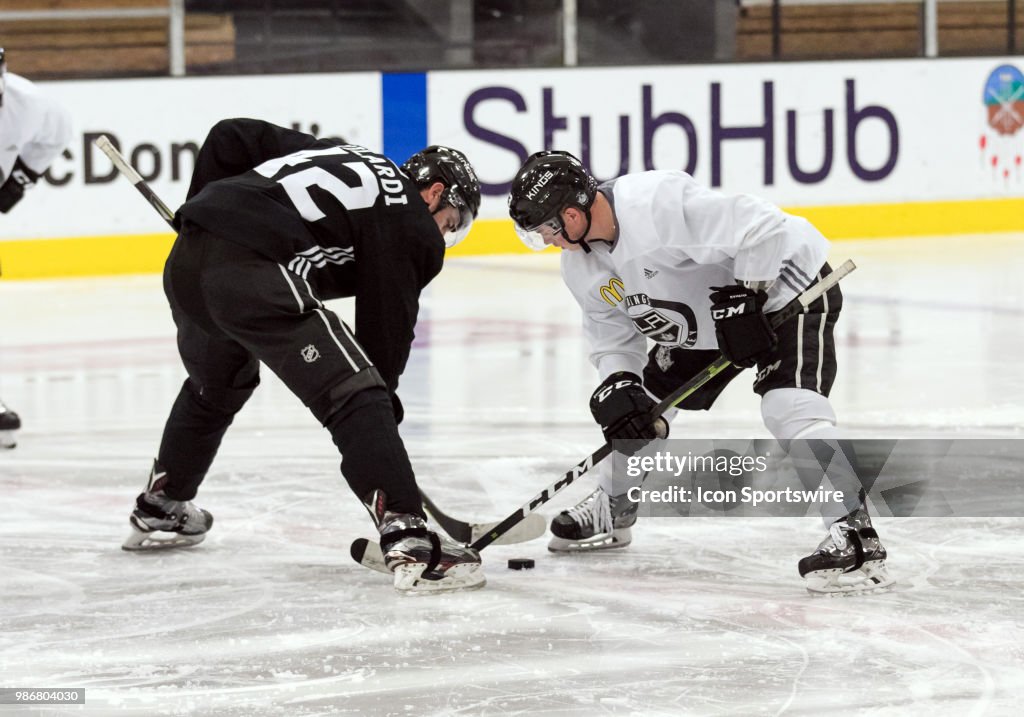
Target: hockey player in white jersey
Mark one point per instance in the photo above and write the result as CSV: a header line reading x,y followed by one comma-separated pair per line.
x,y
656,255
34,129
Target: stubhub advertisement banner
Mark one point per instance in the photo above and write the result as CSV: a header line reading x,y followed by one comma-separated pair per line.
x,y
798,134
862,149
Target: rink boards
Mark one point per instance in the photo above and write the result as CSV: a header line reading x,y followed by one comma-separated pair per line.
x,y
863,149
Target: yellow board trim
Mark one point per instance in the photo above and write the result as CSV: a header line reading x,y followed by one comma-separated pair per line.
x,y
916,219
146,253
84,256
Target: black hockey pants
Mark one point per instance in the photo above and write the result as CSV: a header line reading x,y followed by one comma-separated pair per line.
x,y
235,308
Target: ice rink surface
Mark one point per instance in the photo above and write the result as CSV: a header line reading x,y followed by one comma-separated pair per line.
x,y
700,616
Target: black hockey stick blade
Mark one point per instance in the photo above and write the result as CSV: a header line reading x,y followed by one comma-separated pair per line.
x,y
457,529
798,305
467,533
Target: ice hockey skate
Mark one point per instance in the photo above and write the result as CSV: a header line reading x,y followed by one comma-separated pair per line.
x,y
421,560
159,522
849,560
598,522
9,423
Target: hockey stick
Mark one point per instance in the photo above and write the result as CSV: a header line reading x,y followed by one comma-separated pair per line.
x,y
368,553
794,307
469,532
460,530
104,144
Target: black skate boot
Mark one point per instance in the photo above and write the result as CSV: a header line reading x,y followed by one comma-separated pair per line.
x,y
421,560
9,423
598,522
160,522
850,560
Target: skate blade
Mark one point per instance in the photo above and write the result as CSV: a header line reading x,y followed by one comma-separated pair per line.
x,y
603,541
7,440
409,579
159,540
871,577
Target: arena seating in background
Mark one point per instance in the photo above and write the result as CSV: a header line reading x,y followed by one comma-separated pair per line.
x,y
882,29
105,47
249,36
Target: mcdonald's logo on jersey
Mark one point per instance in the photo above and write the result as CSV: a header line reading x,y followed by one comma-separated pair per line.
x,y
613,291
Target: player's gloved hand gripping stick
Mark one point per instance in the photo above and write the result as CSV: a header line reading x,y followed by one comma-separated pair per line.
x,y
794,307
460,530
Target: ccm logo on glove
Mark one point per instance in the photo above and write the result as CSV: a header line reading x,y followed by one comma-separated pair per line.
x,y
744,335
725,313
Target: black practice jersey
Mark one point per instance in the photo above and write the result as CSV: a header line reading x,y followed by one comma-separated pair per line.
x,y
339,216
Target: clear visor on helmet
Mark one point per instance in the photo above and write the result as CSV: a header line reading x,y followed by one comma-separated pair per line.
x,y
534,237
454,236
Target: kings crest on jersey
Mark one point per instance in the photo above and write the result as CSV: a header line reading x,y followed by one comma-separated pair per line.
x,y
676,239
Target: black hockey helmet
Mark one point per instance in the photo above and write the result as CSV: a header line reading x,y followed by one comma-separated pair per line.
x,y
547,183
461,186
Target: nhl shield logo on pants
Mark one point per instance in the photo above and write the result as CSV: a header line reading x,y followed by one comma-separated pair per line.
x,y
310,354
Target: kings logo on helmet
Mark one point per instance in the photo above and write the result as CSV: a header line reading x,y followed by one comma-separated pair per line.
x,y
539,184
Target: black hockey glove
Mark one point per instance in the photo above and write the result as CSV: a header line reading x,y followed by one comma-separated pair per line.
x,y
623,409
14,188
744,334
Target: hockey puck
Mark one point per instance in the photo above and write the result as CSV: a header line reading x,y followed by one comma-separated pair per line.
x,y
520,563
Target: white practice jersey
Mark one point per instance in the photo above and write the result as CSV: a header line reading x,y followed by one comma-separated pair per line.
x,y
32,126
676,239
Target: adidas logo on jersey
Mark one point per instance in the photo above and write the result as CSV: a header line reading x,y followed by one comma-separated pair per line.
x,y
319,257
650,274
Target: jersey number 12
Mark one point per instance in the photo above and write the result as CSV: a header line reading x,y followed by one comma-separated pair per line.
x,y
298,183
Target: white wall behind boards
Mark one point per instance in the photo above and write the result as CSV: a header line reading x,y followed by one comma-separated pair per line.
x,y
157,120
800,134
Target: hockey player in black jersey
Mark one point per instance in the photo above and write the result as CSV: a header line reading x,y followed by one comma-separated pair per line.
x,y
274,223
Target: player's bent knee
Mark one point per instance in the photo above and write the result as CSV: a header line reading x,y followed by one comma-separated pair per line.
x,y
792,413
227,401
357,390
